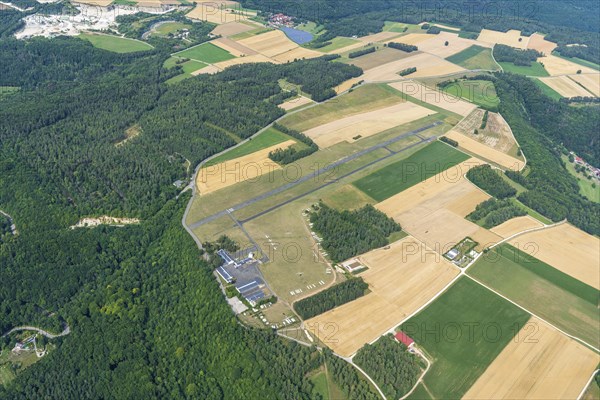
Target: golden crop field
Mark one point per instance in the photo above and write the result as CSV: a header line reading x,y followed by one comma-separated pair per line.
x,y
511,38
516,225
434,97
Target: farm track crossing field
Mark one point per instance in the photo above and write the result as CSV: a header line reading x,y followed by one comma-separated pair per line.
x,y
397,290
366,124
541,363
206,52
295,103
434,97
486,152
426,64
516,225
560,66
590,81
560,299
459,360
427,162
567,249
245,168
364,99
475,57
115,43
566,86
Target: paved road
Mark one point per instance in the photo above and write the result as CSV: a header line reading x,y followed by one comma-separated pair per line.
x,y
315,174
38,330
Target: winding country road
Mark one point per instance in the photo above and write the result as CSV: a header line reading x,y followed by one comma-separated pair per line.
x,y
40,331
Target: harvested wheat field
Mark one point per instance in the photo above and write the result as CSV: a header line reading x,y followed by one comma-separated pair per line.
x,y
257,58
566,248
486,152
251,166
380,57
298,53
565,86
497,133
433,211
211,69
516,225
379,37
99,3
540,363
412,38
537,42
294,103
232,28
434,97
401,279
269,44
590,81
366,124
559,66
233,47
437,44
426,64
510,38
347,85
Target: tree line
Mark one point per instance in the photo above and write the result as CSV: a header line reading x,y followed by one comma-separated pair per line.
x,y
349,233
503,53
291,154
349,379
331,298
362,52
488,180
408,48
493,212
390,364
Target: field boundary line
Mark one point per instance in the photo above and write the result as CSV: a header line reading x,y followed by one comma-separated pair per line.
x,y
541,228
534,315
587,385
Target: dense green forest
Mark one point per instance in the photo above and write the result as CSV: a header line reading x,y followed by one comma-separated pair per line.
x,y
355,387
493,212
146,315
392,367
552,191
330,298
489,180
349,233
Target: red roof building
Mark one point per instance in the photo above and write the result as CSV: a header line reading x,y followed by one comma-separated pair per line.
x,y
404,338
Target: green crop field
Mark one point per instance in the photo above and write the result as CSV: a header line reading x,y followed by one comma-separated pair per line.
x,y
187,67
482,93
115,43
425,163
266,139
463,331
365,98
536,69
206,52
475,57
547,90
553,295
399,27
337,43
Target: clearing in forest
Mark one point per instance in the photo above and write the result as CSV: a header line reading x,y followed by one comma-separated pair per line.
x,y
245,168
115,43
397,290
434,97
206,52
463,331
